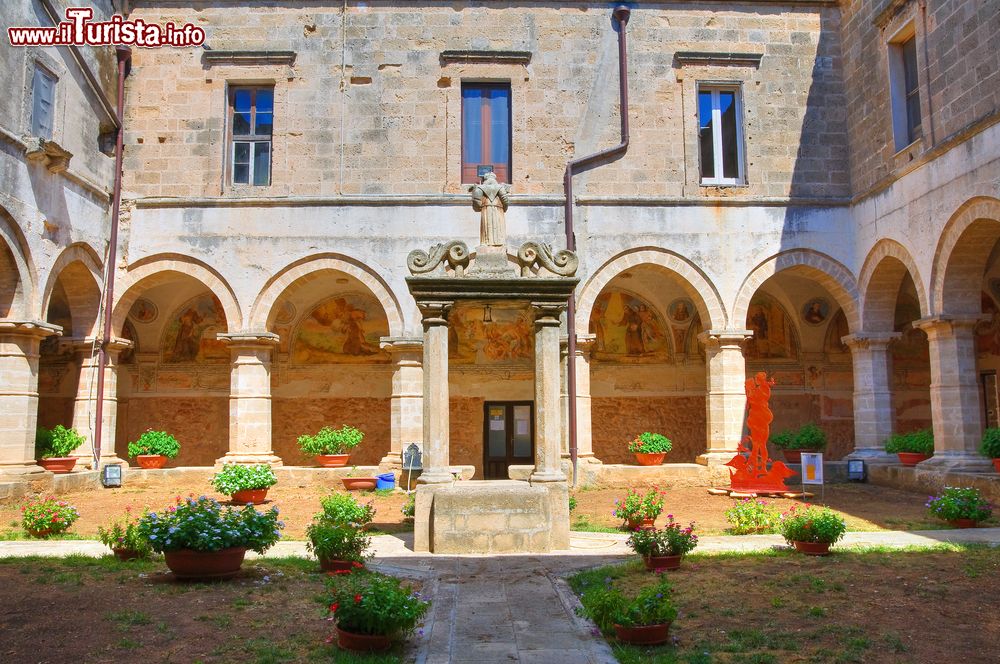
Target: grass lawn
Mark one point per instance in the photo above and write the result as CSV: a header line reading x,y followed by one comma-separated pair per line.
x,y
928,605
80,609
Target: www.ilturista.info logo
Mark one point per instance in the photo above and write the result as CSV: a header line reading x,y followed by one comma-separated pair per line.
x,y
79,30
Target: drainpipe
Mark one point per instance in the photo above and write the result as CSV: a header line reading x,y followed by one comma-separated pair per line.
x,y
620,14
124,55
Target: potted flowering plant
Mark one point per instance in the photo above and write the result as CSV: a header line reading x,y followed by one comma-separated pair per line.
x,y
639,511
153,448
650,448
123,538
808,438
48,516
53,448
911,448
962,507
812,530
372,610
201,539
990,446
752,515
642,620
331,446
245,484
663,549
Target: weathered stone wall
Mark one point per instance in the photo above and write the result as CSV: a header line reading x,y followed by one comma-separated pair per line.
x,y
290,418
200,424
616,421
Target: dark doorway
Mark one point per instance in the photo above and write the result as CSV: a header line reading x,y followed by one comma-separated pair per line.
x,y
508,437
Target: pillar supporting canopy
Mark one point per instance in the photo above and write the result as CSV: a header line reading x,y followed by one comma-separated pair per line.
x,y
725,403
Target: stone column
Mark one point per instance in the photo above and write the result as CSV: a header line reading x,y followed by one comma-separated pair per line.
x,y
727,400
547,412
956,409
19,342
584,432
85,403
250,399
436,453
407,405
873,415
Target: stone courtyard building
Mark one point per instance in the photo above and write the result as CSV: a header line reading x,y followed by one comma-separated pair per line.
x,y
810,188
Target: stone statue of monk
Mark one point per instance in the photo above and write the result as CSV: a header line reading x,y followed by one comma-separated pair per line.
x,y
490,198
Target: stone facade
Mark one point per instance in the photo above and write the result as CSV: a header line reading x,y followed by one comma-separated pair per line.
x,y
850,271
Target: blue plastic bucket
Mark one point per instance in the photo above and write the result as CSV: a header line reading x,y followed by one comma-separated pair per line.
x,y
385,481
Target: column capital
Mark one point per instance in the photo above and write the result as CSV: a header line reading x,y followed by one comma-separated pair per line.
x,y
394,345
870,340
724,337
435,313
948,323
249,339
547,313
584,344
84,344
29,328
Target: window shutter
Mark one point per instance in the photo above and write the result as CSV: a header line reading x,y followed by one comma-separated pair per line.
x,y
42,96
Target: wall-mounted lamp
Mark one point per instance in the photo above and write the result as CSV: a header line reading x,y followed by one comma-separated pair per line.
x,y
487,314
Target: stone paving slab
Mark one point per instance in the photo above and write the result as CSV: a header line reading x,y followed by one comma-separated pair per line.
x,y
516,607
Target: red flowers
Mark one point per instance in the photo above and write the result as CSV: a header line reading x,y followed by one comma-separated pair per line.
x,y
334,607
357,598
357,565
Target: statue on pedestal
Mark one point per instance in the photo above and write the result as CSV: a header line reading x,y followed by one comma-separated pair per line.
x,y
491,199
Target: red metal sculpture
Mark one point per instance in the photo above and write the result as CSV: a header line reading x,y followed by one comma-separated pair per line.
x,y
756,473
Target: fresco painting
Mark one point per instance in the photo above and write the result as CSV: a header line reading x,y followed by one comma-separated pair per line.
x,y
773,332
508,337
341,330
189,337
837,329
628,329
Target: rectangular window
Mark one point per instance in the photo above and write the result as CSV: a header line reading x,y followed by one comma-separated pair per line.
x,y
43,94
720,135
485,130
904,89
251,121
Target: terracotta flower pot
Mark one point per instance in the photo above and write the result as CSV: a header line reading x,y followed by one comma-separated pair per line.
x,y
659,563
126,554
644,524
44,532
963,523
912,458
189,564
649,459
358,483
644,635
255,496
996,464
151,461
335,565
332,460
363,642
812,548
58,465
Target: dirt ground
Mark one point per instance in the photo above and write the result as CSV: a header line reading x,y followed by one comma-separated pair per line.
x,y
865,507
911,606
98,610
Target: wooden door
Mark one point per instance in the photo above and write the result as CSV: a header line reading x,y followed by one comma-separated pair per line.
x,y
508,437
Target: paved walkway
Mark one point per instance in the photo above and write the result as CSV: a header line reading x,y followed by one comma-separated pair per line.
x,y
518,608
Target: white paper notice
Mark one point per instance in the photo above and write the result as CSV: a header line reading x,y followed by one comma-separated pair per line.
x,y
521,428
496,425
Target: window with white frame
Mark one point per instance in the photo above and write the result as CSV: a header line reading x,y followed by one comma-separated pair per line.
x,y
720,134
904,90
43,94
251,122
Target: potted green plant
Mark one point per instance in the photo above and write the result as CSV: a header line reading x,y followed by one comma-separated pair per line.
x,y
373,610
990,446
153,448
53,448
808,438
962,507
331,446
650,448
123,538
409,508
344,509
913,447
639,510
47,516
355,482
663,549
201,539
812,530
751,516
641,620
244,484
339,547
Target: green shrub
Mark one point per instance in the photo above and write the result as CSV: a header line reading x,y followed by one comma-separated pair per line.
x,y
204,525
812,524
365,602
990,447
916,442
810,437
637,507
607,606
752,515
409,509
123,533
342,509
331,441
783,440
337,541
155,442
960,503
237,477
572,503
58,442
650,443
